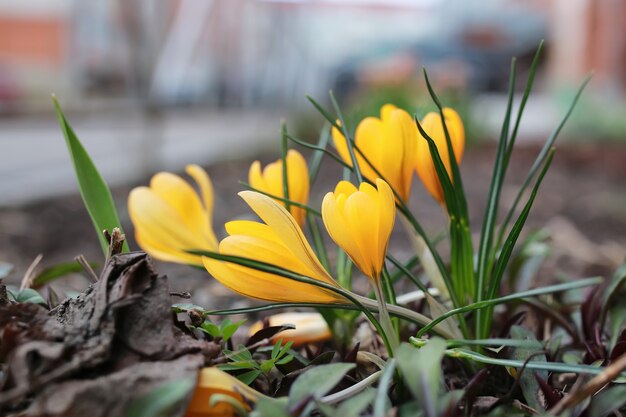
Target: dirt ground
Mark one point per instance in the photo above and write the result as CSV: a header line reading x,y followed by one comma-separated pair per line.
x,y
582,204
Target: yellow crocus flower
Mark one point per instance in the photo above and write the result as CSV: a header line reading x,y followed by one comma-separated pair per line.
x,y
310,327
215,381
170,217
389,143
425,167
279,240
360,222
270,180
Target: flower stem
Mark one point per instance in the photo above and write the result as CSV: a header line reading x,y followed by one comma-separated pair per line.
x,y
385,320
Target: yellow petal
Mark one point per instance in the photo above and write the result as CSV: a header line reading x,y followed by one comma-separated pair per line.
x,y
386,111
214,381
286,227
339,229
425,167
179,195
387,214
361,212
273,174
264,250
298,177
310,327
345,187
341,145
158,221
163,252
263,286
369,137
206,190
407,131
251,228
255,177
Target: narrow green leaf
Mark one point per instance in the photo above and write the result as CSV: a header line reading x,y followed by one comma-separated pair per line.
x,y
485,247
57,271
283,156
559,367
318,241
317,381
607,401
324,112
618,280
315,161
319,149
349,142
529,86
509,245
381,401
422,372
271,407
28,295
276,348
249,377
533,353
284,200
511,297
162,400
442,174
459,193
93,189
539,162
354,406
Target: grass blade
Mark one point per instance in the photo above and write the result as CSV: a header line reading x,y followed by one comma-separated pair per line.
x,y
349,142
493,203
315,161
93,189
558,367
284,148
539,161
511,297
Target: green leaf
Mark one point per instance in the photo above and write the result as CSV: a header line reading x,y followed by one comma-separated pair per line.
x,y
93,189
615,285
276,348
422,373
271,407
211,328
237,366
285,360
527,381
539,161
607,401
485,247
317,382
511,297
509,244
559,367
354,406
57,271
249,377
315,161
381,402
229,328
617,314
28,295
162,400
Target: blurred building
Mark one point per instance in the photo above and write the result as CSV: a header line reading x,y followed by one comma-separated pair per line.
x,y
250,52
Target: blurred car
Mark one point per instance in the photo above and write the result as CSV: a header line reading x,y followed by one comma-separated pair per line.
x,y
474,54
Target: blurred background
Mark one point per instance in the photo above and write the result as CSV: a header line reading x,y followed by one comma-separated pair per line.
x,y
154,85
